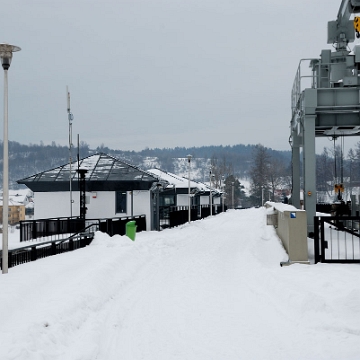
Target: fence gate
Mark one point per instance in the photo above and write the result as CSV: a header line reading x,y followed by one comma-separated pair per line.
x,y
337,239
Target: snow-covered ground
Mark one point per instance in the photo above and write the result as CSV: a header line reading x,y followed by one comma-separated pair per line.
x,y
212,289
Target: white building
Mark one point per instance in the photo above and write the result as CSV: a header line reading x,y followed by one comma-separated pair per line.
x,y
180,187
113,188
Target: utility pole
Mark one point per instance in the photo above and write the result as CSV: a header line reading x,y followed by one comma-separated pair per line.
x,y
70,118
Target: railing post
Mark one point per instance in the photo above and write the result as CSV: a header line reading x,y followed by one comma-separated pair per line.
x,y
33,253
10,259
322,241
34,232
21,232
53,248
316,239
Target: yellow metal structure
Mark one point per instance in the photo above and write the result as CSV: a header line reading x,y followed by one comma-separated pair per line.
x,y
339,188
357,25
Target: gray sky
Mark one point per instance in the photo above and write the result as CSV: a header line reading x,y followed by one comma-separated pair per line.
x,y
158,73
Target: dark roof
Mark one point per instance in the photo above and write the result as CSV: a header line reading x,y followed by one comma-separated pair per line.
x,y
104,173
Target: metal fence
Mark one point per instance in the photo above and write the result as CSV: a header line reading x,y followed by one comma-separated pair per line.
x,y
179,215
40,250
337,239
50,228
64,234
62,228
117,226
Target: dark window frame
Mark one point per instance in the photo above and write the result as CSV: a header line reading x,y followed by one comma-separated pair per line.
x,y
120,202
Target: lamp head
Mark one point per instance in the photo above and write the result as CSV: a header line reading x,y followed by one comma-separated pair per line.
x,y
6,53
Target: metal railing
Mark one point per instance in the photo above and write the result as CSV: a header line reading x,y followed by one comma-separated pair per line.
x,y
300,84
40,250
61,228
179,215
315,75
57,243
337,239
117,226
51,229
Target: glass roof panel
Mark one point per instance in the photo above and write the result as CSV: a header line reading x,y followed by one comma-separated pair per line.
x,y
101,167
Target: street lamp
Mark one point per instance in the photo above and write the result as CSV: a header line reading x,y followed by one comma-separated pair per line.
x,y
222,187
210,193
158,186
232,197
6,52
189,201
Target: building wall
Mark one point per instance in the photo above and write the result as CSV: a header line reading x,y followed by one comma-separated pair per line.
x,y
16,214
182,200
55,204
204,200
100,204
142,205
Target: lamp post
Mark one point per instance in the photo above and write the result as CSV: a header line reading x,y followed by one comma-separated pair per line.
x,y
6,52
189,200
158,186
232,195
210,193
222,187
70,118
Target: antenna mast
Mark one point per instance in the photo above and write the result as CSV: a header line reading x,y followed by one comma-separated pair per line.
x,y
70,118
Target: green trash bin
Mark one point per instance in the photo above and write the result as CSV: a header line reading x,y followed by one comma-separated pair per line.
x,y
131,229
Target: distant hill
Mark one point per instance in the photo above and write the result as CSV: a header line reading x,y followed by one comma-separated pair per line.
x,y
26,160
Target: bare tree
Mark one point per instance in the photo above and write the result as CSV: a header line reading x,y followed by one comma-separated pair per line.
x,y
277,176
259,174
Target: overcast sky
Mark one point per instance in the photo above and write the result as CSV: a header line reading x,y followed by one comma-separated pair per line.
x,y
158,73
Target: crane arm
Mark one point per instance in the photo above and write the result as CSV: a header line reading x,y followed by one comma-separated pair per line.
x,y
341,31
347,8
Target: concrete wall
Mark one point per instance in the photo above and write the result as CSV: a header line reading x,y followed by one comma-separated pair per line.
x,y
292,230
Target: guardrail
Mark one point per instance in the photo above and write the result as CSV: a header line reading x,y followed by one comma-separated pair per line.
x,y
291,227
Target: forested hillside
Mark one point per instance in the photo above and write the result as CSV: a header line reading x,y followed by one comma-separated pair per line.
x,y
26,160
266,170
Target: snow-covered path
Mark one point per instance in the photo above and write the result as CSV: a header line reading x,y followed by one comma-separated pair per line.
x,y
209,290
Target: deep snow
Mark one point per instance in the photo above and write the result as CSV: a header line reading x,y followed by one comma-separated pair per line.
x,y
212,289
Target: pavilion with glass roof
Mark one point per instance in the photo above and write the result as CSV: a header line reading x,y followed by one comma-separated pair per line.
x,y
104,173
111,188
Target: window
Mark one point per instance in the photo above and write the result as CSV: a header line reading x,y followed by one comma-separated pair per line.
x,y
167,200
120,202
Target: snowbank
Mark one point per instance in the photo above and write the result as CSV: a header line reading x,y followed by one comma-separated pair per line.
x,y
212,289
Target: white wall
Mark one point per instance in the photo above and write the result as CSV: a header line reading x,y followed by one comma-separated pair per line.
x,y
142,201
101,206
57,204
182,200
204,200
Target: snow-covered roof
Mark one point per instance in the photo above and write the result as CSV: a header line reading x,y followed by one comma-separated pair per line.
x,y
16,197
103,171
181,182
